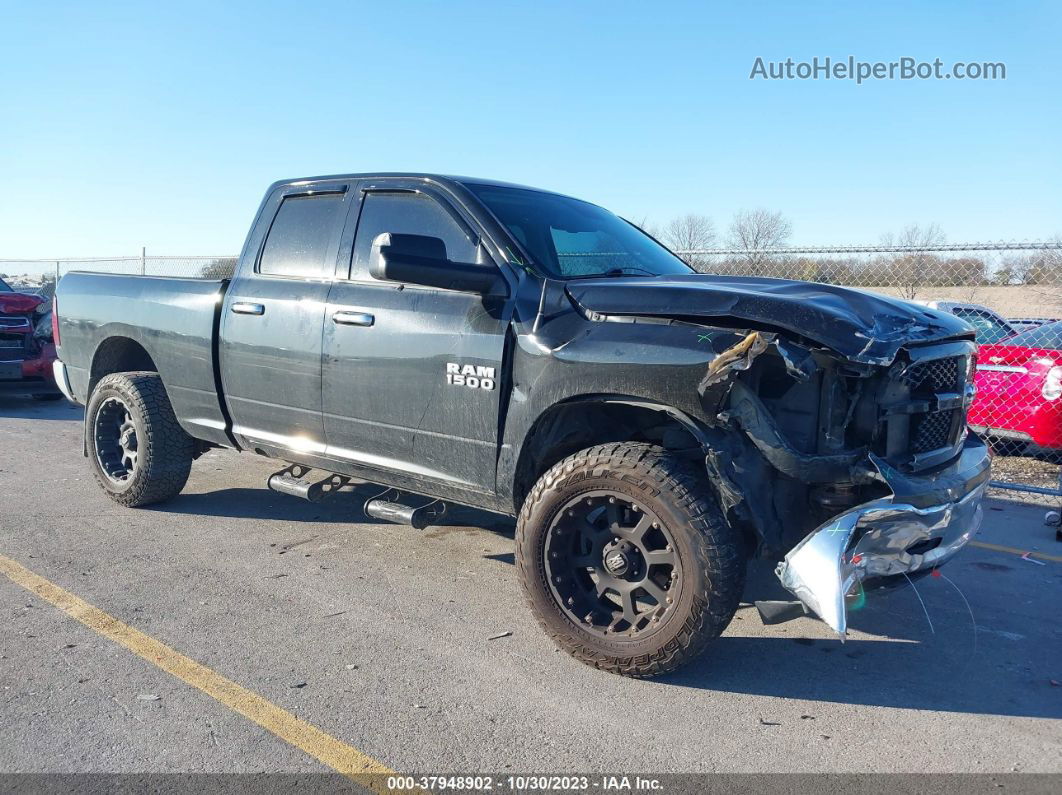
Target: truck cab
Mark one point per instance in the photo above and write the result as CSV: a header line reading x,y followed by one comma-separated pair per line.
x,y
358,366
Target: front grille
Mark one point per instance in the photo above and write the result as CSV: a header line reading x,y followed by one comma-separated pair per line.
x,y
13,346
937,375
931,431
923,407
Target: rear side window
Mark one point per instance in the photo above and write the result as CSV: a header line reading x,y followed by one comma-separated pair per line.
x,y
409,214
302,238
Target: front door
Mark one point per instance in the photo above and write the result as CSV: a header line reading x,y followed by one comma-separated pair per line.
x,y
411,374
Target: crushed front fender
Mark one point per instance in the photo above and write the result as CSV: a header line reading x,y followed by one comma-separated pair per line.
x,y
906,532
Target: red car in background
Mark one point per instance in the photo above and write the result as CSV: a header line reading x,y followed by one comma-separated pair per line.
x,y
1019,390
26,347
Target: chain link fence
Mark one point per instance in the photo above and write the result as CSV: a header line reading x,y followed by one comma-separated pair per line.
x,y
1010,292
41,275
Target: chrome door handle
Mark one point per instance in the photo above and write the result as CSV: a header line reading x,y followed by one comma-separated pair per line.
x,y
246,308
353,318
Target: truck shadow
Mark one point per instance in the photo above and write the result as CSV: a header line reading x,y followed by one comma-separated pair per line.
x,y
1002,666
874,673
893,659
344,508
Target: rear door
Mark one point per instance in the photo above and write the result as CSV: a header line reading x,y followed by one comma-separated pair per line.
x,y
391,350
273,315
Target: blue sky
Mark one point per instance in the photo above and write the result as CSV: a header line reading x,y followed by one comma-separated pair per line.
x,y
161,124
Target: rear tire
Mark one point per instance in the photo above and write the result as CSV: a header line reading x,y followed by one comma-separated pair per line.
x,y
139,453
627,561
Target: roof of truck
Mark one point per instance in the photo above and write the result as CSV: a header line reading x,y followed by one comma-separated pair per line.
x,y
417,175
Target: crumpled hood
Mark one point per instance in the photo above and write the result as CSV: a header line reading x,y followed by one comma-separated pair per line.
x,y
19,303
862,326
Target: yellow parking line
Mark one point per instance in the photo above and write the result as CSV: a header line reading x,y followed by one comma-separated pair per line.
x,y
344,758
1014,551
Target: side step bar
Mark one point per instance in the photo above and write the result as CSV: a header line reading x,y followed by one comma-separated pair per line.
x,y
290,481
386,506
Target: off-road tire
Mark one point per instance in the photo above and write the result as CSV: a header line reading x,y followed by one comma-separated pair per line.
x,y
709,549
165,450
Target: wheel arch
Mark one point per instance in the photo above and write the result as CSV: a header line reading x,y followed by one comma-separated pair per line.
x,y
118,354
586,420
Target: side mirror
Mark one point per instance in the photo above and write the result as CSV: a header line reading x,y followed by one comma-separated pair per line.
x,y
420,259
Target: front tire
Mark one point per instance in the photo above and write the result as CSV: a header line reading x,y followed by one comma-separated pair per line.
x,y
140,454
627,561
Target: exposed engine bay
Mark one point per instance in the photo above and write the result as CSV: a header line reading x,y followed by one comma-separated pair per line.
x,y
848,471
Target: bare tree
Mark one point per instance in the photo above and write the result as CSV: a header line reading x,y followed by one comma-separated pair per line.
x,y
918,236
968,274
690,232
754,230
912,270
1043,274
646,226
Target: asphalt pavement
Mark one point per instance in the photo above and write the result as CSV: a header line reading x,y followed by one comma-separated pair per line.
x,y
385,638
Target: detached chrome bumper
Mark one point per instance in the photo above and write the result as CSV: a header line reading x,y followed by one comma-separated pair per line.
x,y
924,523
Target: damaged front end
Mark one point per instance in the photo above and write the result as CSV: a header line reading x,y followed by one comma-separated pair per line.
x,y
837,434
26,347
862,472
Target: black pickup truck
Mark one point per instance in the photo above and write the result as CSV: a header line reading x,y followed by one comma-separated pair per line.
x,y
528,353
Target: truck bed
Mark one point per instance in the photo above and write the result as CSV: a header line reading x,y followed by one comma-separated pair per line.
x,y
173,319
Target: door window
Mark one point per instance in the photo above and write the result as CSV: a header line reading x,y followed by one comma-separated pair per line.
x,y
302,237
410,214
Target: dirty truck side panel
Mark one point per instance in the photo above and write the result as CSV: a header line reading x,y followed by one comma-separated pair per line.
x,y
271,362
270,332
172,319
413,376
389,400
567,359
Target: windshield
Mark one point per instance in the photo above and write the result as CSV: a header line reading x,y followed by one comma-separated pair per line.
x,y
572,239
1049,336
4,288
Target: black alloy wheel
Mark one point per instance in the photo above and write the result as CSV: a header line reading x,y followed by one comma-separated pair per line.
x,y
626,560
611,564
117,445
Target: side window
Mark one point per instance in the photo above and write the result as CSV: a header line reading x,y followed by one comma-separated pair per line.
x,y
302,236
410,214
988,328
